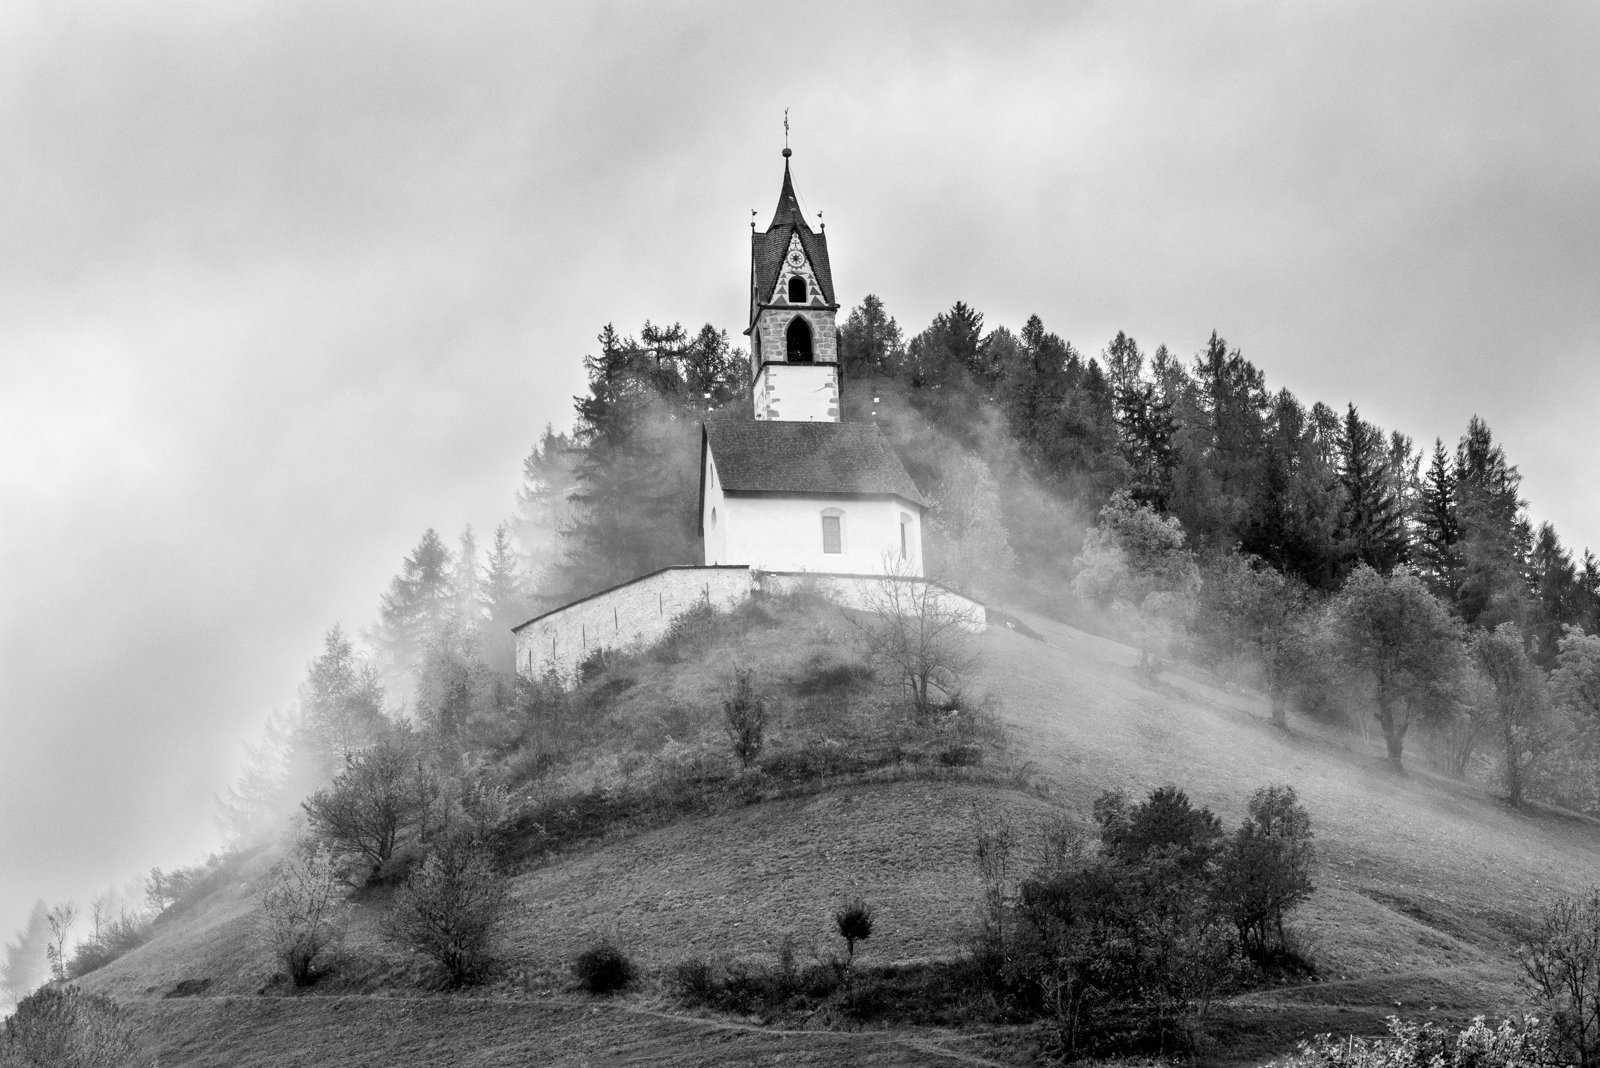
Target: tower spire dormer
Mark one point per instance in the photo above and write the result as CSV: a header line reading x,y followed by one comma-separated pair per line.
x,y
794,361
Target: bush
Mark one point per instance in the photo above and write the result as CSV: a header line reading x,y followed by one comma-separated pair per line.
x,y
825,676
854,921
1135,931
744,717
1266,871
688,632
1428,1045
604,968
452,910
121,935
302,911
382,796
62,1027
695,980
1563,961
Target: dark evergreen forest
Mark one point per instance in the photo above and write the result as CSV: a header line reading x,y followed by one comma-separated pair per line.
x,y
1176,503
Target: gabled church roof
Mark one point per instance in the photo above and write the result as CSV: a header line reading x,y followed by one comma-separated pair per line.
x,y
814,459
767,250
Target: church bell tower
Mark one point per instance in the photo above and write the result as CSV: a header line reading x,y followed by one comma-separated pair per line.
x,y
794,344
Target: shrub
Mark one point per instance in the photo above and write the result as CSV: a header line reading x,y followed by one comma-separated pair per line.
x,y
1266,870
744,717
1563,962
604,968
687,633
598,661
62,1027
117,937
1411,1045
302,911
452,910
695,980
382,795
854,920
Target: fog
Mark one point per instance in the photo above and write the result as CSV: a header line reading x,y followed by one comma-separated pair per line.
x,y
286,284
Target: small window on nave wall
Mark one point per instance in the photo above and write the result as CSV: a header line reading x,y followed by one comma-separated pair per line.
x,y
832,530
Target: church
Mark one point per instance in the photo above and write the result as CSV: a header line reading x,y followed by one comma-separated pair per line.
x,y
788,493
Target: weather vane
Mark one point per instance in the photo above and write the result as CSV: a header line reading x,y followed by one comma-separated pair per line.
x,y
785,128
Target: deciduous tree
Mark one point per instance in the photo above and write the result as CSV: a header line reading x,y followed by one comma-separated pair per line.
x,y
1400,644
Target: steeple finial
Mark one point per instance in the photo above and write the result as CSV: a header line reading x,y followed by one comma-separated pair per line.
x,y
786,152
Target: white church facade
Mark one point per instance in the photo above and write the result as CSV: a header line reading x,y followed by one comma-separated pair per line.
x,y
788,492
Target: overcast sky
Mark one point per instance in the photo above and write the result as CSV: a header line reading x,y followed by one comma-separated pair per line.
x,y
284,284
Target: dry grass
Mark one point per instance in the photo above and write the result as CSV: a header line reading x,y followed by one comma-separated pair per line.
x,y
1425,884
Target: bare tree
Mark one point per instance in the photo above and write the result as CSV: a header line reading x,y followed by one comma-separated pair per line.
x,y
919,632
61,918
303,910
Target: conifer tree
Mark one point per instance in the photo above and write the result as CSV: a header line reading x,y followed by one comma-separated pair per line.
x,y
26,965
544,512
1145,424
872,357
1293,507
419,602
1492,588
635,467
341,702
1437,552
466,582
505,598
1372,513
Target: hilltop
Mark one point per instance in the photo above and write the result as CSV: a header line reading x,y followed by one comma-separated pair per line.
x,y
1424,887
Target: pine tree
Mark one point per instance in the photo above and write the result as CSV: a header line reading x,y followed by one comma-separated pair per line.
x,y
1372,513
26,965
466,583
544,511
1556,594
1224,444
1493,588
1145,425
419,602
1437,552
341,703
506,601
1294,503
633,504
872,358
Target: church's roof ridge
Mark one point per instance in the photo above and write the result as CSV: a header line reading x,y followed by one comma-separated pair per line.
x,y
816,458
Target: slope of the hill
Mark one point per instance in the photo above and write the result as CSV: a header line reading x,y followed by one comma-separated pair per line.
x,y
1423,887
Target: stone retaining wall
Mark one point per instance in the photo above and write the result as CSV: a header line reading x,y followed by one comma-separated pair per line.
x,y
635,613
638,613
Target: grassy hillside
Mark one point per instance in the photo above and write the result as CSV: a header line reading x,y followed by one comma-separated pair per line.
x,y
1424,884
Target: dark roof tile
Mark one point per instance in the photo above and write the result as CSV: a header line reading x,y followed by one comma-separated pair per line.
x,y
821,458
768,249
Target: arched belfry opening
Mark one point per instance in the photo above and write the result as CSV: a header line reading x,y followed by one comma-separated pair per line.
x,y
799,341
797,290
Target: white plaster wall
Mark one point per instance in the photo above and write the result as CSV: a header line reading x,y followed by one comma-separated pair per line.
x,y
713,516
637,613
785,534
798,392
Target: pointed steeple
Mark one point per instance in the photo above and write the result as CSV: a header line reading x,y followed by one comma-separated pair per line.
x,y
788,204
